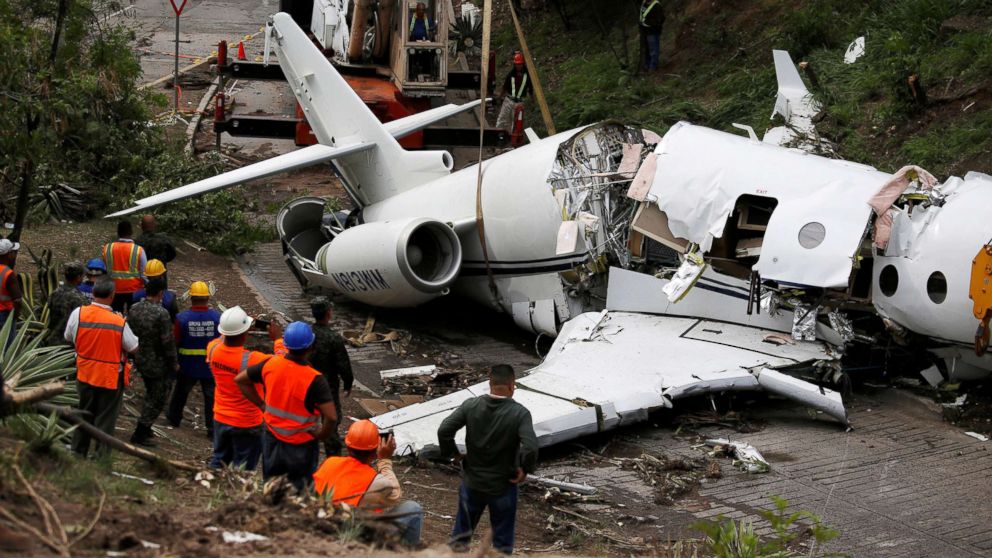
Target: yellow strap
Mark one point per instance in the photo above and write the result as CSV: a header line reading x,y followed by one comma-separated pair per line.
x,y
193,352
532,70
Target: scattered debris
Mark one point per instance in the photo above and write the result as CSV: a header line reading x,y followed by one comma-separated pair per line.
x,y
855,50
977,436
932,375
671,477
958,402
132,477
747,458
204,478
562,485
429,381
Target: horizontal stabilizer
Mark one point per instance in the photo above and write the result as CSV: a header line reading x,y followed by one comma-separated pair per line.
x,y
416,122
301,158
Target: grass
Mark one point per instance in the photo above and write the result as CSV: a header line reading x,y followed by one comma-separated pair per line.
x,y
717,70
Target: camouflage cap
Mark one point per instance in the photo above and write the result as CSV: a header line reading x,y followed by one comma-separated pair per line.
x,y
320,305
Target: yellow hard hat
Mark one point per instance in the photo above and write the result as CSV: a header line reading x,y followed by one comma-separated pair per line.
x,y
199,288
154,268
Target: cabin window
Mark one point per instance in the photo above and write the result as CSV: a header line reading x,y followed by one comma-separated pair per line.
x,y
812,235
888,280
937,287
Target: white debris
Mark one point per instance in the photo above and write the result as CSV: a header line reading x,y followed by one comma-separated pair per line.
x,y
804,322
688,273
411,371
239,537
932,375
958,402
855,50
977,436
149,544
204,478
132,477
748,459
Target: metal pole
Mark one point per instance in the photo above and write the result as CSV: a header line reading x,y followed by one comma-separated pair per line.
x,y
175,78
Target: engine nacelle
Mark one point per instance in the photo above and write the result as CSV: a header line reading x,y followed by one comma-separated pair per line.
x,y
393,263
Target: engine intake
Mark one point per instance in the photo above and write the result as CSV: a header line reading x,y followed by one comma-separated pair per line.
x,y
393,263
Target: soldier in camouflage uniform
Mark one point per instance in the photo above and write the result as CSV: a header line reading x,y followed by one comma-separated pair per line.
x,y
157,245
330,358
63,301
156,360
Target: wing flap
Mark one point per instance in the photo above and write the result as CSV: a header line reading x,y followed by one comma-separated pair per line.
x,y
416,122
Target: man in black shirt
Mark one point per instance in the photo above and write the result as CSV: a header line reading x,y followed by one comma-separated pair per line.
x,y
516,86
296,398
501,449
330,358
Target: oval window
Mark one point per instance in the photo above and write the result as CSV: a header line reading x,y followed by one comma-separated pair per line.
x,y
888,280
812,235
937,287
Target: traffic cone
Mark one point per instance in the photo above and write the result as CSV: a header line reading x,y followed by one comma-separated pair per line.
x,y
517,129
241,51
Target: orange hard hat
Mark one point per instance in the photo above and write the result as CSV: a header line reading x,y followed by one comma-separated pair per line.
x,y
362,436
518,58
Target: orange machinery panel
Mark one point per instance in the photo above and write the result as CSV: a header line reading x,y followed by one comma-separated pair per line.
x,y
383,99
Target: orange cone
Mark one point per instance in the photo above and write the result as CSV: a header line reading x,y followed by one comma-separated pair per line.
x,y
241,51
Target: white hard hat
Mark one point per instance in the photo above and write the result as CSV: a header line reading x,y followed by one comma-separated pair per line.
x,y
234,321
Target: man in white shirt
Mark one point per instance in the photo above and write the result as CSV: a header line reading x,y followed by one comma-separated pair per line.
x,y
102,341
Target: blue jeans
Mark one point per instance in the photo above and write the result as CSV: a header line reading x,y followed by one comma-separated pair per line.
x,y
654,50
13,326
502,514
237,447
409,524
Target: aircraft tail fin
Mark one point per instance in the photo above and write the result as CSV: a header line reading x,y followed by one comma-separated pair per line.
x,y
339,118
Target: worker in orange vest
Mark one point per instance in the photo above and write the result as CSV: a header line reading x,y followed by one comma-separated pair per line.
x,y
126,265
102,340
296,398
353,480
10,289
237,421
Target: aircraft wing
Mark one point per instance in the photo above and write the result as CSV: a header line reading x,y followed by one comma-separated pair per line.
x,y
301,158
612,368
416,122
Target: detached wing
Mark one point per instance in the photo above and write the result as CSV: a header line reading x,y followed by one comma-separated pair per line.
x,y
612,368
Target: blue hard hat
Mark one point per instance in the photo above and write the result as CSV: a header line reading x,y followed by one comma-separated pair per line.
x,y
298,335
96,264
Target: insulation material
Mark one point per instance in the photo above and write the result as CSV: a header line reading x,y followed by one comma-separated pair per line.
x,y
641,184
568,238
804,322
653,223
685,277
842,325
631,159
746,457
887,195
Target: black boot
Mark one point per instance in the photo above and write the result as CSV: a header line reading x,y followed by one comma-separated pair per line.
x,y
143,436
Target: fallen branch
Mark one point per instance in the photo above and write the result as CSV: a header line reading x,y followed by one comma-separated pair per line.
x,y
37,534
108,440
29,396
576,514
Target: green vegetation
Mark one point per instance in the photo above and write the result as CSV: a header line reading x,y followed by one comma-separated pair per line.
x,y
727,538
717,69
77,135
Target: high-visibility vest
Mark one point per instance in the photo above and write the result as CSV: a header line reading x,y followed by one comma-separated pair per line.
x,y
286,416
427,25
348,477
514,92
123,260
6,302
197,327
99,352
230,405
646,9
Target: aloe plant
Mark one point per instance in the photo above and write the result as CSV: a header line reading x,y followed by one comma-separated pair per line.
x,y
26,364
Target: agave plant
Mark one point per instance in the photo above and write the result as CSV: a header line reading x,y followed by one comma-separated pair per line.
x,y
26,364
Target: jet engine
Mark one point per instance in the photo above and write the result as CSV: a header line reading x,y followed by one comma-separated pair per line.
x,y
393,263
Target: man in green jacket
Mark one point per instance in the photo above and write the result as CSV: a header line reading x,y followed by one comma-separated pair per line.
x,y
501,449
